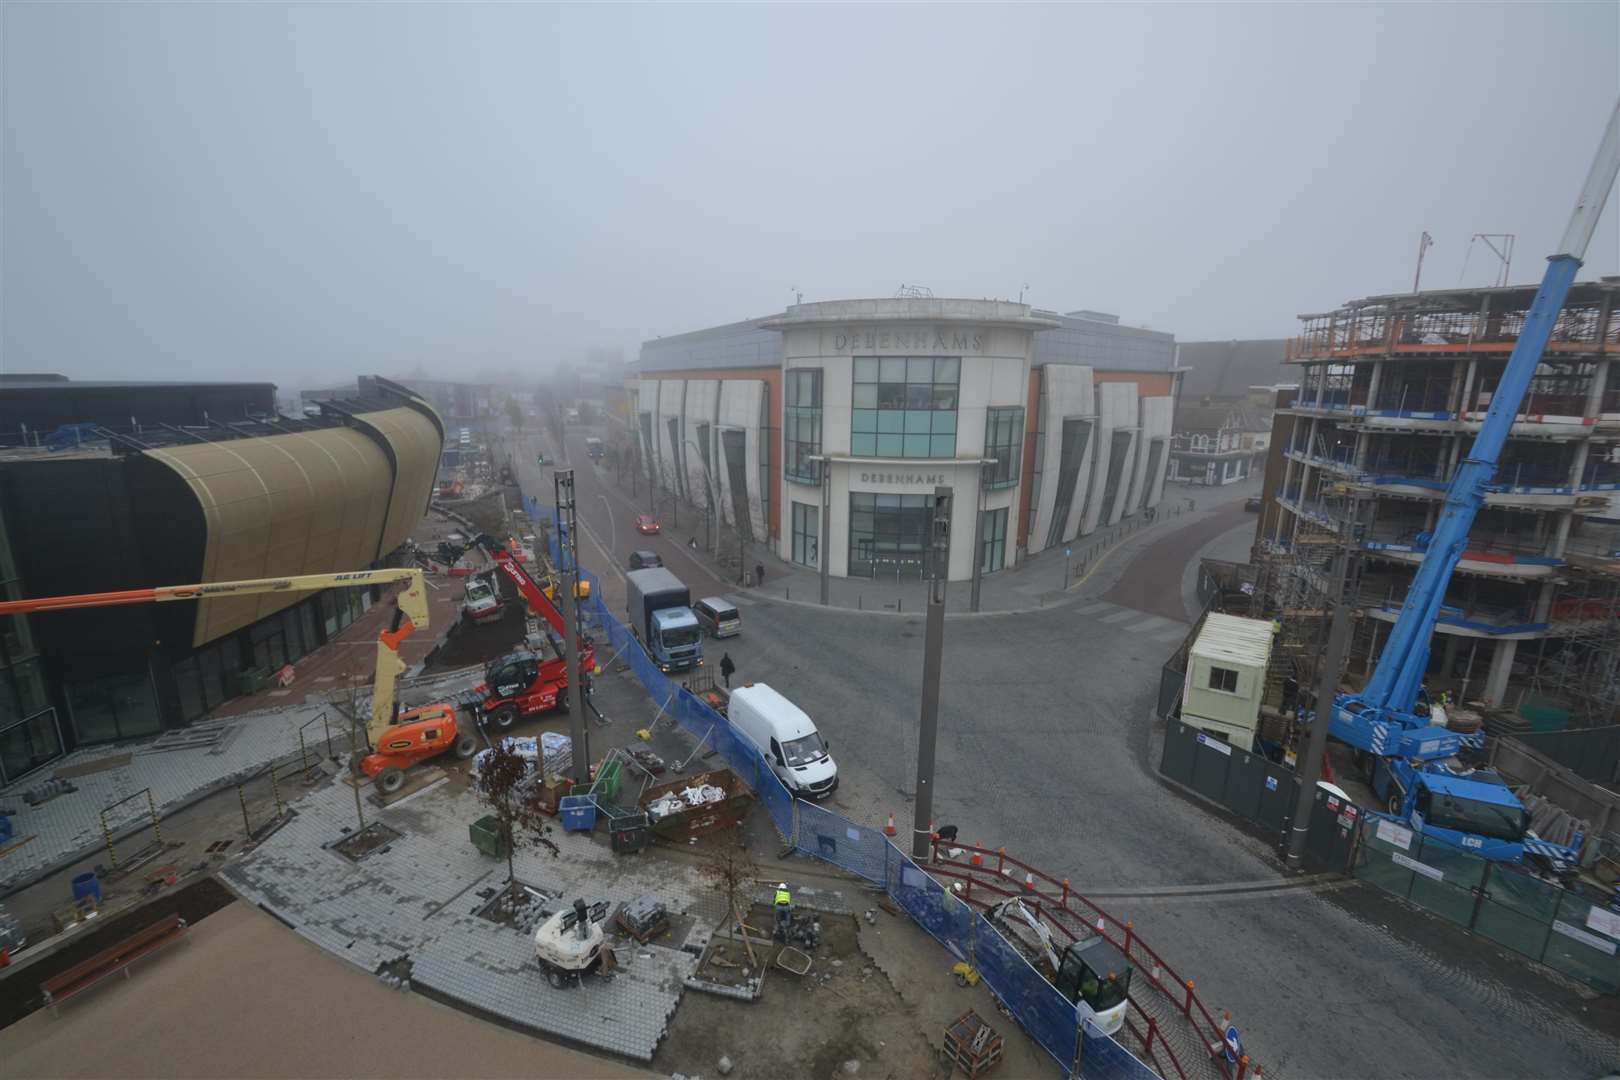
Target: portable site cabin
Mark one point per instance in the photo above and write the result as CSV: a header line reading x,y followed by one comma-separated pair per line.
x,y
1226,677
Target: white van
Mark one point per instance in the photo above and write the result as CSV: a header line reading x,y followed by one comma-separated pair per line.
x,y
787,737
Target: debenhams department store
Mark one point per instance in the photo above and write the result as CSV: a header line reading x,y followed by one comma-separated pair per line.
x,y
1048,426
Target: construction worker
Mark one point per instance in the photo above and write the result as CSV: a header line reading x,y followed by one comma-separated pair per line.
x,y
784,911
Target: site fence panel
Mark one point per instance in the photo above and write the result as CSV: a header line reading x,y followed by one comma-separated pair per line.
x,y
1103,1058
1034,1002
857,848
1577,949
1497,901
1517,910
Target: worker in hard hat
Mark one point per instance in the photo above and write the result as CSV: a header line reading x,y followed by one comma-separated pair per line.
x,y
784,911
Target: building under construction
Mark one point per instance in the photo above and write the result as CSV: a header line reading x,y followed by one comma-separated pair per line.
x,y
1393,390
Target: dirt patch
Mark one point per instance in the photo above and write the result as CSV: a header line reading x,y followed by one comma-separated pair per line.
x,y
856,1015
19,993
516,905
470,643
374,837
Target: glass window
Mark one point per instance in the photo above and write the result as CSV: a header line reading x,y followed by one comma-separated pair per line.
x,y
213,678
802,425
188,683
993,541
913,396
114,707
806,534
1003,440
863,445
1223,679
28,744
888,534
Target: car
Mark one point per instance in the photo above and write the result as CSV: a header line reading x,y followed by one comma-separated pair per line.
x,y
644,560
1253,503
718,616
647,524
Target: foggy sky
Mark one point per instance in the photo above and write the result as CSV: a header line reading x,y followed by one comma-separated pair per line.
x,y
299,193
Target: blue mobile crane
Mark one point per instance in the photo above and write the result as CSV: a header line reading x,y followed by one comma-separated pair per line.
x,y
1415,768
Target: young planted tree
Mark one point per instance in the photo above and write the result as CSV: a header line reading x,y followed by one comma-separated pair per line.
x,y
511,790
731,871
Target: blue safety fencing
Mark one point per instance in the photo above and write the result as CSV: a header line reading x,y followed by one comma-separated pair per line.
x,y
866,852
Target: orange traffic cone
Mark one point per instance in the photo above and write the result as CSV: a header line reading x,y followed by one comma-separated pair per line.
x,y
978,857
1029,881
1100,926
888,830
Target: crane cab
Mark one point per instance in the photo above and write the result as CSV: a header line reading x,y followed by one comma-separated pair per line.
x,y
1096,976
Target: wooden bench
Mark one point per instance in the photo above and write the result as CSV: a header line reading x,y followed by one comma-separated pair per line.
x,y
88,973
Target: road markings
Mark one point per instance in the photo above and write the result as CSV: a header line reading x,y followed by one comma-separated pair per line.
x,y
1094,608
1152,622
1121,616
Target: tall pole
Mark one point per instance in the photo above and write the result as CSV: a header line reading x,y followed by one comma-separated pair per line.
x,y
568,571
823,556
978,543
1327,688
933,654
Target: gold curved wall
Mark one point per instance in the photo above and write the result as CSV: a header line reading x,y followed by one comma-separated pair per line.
x,y
304,503
417,445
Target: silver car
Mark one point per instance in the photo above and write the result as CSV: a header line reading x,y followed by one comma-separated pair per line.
x,y
718,616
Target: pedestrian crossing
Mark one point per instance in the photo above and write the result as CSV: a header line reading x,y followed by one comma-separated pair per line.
x,y
1155,627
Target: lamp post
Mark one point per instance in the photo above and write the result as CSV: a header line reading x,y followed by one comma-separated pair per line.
x,y
933,653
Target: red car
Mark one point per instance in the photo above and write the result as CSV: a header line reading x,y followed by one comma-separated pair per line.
x,y
647,524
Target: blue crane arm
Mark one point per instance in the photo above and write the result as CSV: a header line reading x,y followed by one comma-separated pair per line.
x,y
1399,675
1395,682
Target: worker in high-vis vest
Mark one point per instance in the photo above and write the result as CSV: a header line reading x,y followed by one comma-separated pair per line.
x,y
784,910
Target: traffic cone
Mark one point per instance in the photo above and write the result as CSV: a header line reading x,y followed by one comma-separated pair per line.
x,y
888,830
1100,926
978,857
1029,881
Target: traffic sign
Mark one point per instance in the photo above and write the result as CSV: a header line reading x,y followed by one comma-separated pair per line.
x,y
1234,1045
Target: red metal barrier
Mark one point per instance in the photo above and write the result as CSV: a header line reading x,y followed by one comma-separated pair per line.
x,y
1007,877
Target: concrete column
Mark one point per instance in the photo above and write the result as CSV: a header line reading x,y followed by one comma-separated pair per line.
x,y
1496,679
1321,384
1467,386
1594,392
1544,600
1372,384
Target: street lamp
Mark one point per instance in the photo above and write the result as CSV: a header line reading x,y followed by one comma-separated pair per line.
x,y
933,653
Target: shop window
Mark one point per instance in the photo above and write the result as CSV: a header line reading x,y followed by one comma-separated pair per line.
x,y
1003,441
189,685
25,745
113,707
904,406
993,542
806,534
801,419
889,533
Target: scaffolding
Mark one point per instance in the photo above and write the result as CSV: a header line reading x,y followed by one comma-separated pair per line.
x,y
1577,665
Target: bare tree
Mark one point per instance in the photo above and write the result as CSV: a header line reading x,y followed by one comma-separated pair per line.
x,y
512,791
731,871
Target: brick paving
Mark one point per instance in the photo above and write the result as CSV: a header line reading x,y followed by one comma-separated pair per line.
x,y
417,899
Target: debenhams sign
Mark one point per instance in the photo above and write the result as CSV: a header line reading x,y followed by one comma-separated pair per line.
x,y
938,339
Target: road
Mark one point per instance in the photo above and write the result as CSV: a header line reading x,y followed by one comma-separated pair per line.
x,y
1043,747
